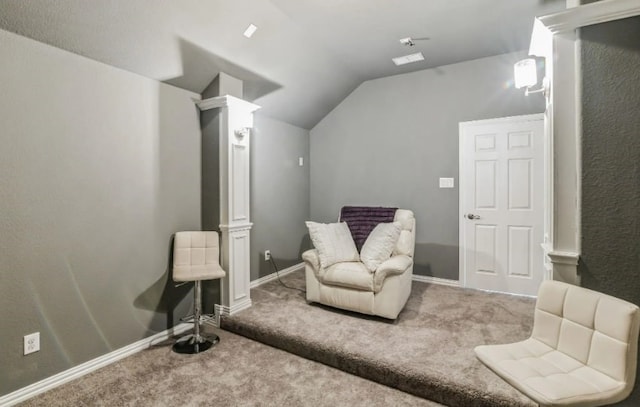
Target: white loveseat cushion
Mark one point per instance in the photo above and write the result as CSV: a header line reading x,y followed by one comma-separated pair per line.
x,y
380,244
333,242
349,275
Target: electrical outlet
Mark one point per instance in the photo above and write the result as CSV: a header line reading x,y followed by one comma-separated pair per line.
x,y
267,255
31,343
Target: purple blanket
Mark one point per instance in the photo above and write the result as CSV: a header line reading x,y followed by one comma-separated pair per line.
x,y
363,219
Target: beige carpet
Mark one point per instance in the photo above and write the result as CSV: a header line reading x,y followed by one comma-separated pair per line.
x,y
427,351
237,372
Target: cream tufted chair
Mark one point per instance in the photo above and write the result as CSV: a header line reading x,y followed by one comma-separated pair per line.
x,y
196,258
354,287
582,351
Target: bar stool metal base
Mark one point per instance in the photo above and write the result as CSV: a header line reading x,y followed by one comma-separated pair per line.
x,y
190,345
196,342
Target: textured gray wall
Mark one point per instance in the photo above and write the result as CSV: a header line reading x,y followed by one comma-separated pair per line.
x,y
392,138
611,162
279,194
99,168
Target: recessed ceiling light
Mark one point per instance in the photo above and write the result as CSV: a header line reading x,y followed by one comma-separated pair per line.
x,y
250,30
407,59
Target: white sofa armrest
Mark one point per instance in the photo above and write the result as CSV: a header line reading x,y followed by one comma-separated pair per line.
x,y
394,266
312,259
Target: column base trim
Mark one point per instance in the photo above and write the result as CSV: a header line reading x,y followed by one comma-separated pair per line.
x,y
224,310
561,265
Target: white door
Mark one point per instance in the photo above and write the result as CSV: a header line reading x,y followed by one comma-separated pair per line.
x,y
501,204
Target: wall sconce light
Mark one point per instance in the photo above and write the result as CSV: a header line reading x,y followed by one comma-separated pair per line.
x,y
241,133
526,75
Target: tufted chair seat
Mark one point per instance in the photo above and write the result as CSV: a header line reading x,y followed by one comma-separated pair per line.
x,y
582,351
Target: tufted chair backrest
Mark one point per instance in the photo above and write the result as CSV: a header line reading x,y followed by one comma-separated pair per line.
x,y
594,328
195,255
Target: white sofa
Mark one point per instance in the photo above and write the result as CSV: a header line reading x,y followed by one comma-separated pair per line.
x,y
582,351
352,286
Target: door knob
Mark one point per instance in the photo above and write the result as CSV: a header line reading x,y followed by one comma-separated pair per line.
x,y
472,216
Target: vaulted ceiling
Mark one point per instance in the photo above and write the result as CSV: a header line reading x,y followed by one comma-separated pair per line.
x,y
306,56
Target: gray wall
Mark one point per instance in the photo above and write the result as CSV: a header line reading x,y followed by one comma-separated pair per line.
x,y
610,260
210,127
210,190
392,138
279,194
99,168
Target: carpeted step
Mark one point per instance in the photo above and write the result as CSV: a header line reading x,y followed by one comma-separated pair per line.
x,y
427,351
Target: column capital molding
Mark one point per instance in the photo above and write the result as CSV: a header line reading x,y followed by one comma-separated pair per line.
x,y
226,101
589,14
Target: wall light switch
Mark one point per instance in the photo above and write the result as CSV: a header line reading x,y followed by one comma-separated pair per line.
x,y
300,161
446,183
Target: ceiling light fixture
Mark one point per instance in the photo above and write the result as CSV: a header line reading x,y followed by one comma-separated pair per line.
x,y
410,41
407,41
407,59
250,30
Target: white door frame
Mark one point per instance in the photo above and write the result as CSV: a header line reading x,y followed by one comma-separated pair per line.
x,y
462,183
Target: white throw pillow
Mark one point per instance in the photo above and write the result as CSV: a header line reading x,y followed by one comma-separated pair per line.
x,y
380,244
333,242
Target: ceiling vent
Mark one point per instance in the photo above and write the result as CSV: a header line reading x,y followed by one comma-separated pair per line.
x,y
407,59
250,30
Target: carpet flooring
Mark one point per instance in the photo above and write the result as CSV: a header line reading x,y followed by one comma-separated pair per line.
x,y
427,351
236,372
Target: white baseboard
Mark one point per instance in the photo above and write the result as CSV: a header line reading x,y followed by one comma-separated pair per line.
x,y
273,276
436,280
88,367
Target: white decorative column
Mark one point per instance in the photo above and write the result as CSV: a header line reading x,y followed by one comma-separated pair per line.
x,y
235,124
555,37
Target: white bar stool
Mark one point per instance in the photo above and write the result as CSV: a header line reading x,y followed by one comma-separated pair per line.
x,y
196,258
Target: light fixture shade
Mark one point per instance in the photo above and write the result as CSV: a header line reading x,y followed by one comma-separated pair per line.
x,y
525,73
